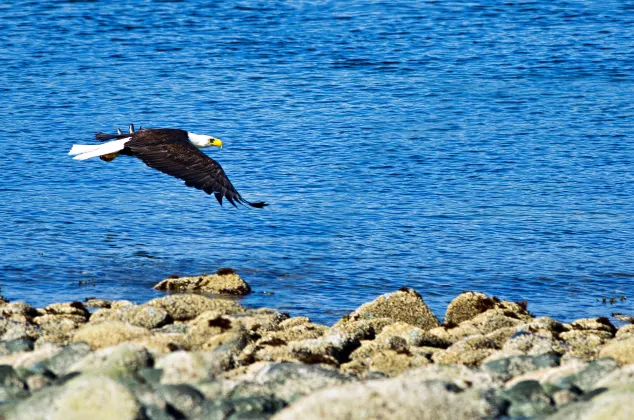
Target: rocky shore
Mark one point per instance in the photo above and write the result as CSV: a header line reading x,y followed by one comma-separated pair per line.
x,y
189,356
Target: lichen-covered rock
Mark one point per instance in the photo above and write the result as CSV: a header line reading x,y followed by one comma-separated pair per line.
x,y
12,330
466,306
192,367
189,306
259,321
625,331
109,333
405,305
97,303
529,344
18,312
584,344
462,376
616,378
330,349
380,358
469,351
71,309
94,397
207,325
596,324
396,398
121,360
224,281
361,329
59,328
286,381
413,336
620,350
299,332
142,316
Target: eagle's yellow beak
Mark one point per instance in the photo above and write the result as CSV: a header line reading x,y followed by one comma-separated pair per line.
x,y
215,142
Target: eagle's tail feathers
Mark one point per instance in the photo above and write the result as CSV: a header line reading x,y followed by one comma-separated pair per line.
x,y
102,149
78,149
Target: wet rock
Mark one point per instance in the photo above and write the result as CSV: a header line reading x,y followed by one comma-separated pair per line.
x,y
192,367
395,398
189,306
518,365
405,305
620,350
528,399
121,360
66,357
185,399
109,333
223,282
142,316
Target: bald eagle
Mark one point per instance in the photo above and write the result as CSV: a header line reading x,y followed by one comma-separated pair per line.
x,y
171,151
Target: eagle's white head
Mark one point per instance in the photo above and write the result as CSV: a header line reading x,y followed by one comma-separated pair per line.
x,y
201,140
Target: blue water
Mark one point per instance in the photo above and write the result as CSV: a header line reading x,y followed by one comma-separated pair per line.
x,y
444,146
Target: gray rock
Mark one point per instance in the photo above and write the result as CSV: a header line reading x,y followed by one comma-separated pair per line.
x,y
613,404
16,346
241,408
68,356
587,377
122,360
400,398
83,397
518,365
286,381
191,367
152,412
528,399
185,399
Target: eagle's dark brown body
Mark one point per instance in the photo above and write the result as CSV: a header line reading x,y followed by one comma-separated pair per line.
x,y
170,151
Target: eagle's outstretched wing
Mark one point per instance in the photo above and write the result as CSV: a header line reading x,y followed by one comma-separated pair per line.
x,y
185,161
